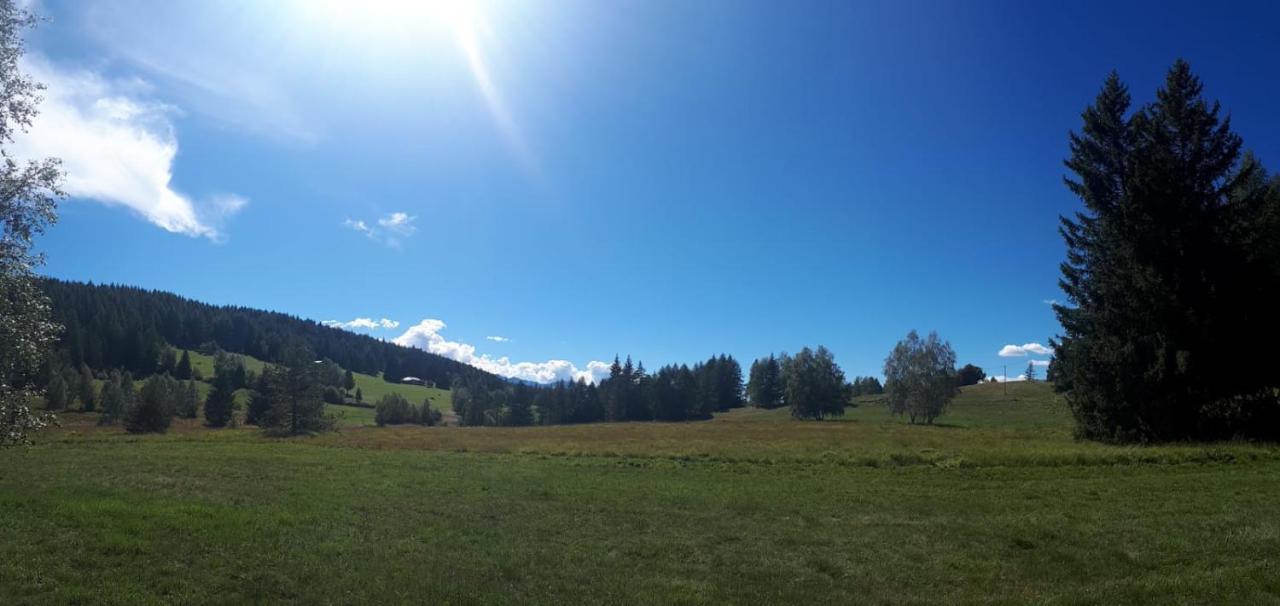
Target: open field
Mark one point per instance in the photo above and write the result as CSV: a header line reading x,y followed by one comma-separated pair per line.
x,y
998,504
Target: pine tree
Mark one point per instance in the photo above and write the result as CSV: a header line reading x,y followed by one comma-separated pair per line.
x,y
168,361
190,401
348,381
1164,274
85,385
183,371
1030,372
153,409
219,406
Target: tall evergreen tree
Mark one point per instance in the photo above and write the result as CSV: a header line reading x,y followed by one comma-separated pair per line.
x,y
84,385
182,371
1164,274
152,411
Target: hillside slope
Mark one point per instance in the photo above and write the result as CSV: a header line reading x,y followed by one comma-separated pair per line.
x,y
111,326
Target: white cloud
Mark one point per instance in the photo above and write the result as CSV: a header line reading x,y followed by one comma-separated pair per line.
x,y
399,223
426,336
1042,363
1020,351
1004,379
391,228
362,323
1050,301
117,147
498,339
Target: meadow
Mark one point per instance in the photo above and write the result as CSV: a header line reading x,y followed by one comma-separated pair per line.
x,y
998,503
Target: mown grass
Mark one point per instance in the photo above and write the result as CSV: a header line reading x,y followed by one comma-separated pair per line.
x,y
997,505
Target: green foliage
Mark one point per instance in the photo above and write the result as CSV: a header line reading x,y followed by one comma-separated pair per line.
x,y
182,371
764,384
153,410
865,386
348,381
1171,272
814,385
114,398
229,371
168,361
294,395
31,190
1030,372
56,393
85,391
219,406
189,404
393,409
920,377
970,375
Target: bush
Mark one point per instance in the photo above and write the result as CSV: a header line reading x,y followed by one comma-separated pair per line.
x,y
393,409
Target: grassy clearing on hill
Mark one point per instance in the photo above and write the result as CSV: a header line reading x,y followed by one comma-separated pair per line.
x,y
372,388
998,504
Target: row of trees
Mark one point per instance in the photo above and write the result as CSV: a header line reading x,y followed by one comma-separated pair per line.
x,y
630,393
394,409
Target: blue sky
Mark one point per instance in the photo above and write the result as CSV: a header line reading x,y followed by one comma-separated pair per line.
x,y
581,178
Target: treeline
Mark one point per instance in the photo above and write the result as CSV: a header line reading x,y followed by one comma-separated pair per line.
x,y
111,326
630,393
810,383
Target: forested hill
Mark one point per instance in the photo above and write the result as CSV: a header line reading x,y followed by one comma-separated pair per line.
x,y
111,326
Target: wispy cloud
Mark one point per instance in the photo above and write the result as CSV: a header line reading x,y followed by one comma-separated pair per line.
x,y
1040,363
1021,351
498,339
1051,301
182,46
118,147
425,335
363,324
392,229
1004,379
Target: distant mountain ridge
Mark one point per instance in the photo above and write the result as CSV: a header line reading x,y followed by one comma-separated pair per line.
x,y
118,326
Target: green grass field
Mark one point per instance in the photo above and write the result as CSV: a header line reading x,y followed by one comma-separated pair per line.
x,y
996,504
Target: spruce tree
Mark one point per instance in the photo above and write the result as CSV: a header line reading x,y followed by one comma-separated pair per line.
x,y
183,370
152,411
190,401
219,406
1166,275
85,385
